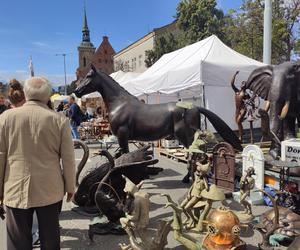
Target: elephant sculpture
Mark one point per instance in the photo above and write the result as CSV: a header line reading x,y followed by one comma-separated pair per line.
x,y
279,85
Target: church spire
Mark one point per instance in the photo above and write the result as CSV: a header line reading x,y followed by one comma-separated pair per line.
x,y
86,41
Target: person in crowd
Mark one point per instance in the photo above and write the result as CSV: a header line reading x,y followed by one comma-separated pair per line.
x,y
60,107
3,107
75,116
37,167
16,97
16,94
49,104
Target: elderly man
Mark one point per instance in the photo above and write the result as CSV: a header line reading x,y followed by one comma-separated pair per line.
x,y
37,167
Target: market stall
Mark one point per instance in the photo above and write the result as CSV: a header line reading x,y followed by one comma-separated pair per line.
x,y
200,72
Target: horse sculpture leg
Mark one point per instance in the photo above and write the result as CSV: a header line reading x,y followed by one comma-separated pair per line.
x,y
123,139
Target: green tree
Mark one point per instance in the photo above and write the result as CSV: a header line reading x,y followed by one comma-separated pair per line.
x,y
163,44
198,19
245,29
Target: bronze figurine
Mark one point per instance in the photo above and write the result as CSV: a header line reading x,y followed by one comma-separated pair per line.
x,y
247,183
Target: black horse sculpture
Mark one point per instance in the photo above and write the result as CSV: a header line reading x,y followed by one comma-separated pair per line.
x,y
131,119
136,165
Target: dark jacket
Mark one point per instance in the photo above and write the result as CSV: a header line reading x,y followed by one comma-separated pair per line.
x,y
75,114
2,108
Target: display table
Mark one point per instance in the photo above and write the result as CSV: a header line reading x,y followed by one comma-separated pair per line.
x,y
94,130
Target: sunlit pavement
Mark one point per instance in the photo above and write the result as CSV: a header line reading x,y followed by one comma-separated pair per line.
x,y
74,226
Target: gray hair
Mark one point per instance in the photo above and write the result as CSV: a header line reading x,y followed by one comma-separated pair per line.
x,y
38,89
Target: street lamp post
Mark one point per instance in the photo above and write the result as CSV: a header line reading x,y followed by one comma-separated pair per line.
x,y
268,32
64,55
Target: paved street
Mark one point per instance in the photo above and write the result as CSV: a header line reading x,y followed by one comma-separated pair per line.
x,y
74,226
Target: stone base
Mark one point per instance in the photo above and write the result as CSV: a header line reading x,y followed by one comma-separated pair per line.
x,y
244,218
255,198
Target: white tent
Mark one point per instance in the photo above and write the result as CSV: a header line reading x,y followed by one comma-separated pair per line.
x,y
117,75
91,95
122,77
200,72
57,99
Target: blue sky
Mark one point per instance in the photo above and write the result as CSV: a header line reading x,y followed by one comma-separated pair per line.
x,y
43,28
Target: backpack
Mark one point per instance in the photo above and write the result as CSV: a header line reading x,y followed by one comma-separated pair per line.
x,y
80,117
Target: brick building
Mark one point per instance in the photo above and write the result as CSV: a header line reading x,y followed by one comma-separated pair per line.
x,y
102,58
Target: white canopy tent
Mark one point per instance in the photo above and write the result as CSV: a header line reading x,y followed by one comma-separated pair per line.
x,y
122,77
200,72
119,76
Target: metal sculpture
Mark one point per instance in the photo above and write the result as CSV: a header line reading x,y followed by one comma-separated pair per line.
x,y
246,105
224,166
136,221
84,196
279,85
131,119
110,197
220,236
277,224
194,194
223,236
197,151
247,183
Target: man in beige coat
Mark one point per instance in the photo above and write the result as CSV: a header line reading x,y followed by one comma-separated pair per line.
x,y
37,167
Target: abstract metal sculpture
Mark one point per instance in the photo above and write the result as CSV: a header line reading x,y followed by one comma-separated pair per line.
x,y
131,119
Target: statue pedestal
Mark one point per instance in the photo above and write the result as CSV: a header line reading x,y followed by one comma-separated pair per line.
x,y
244,218
254,157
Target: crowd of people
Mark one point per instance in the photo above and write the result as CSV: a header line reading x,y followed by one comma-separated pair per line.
x,y
37,162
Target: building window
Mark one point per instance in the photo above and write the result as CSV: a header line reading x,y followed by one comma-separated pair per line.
x,y
99,60
126,66
106,61
84,62
105,51
133,64
140,60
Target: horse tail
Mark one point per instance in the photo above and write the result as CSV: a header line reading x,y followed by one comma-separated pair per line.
x,y
222,128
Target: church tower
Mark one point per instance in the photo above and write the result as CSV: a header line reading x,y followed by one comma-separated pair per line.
x,y
86,50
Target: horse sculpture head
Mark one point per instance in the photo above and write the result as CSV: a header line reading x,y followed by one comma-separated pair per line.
x,y
89,83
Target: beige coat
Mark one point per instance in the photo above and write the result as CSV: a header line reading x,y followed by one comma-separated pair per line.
x,y
37,164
